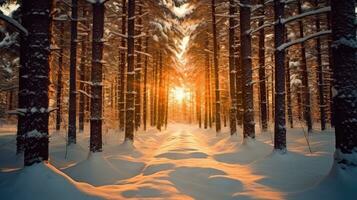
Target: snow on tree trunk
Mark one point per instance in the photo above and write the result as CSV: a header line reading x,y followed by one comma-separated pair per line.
x,y
130,87
37,20
97,78
138,69
279,124
344,46
216,68
232,68
122,66
246,63
72,110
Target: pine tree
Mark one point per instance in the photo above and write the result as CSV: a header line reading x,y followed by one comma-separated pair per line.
x,y
216,68
232,68
130,88
72,110
246,63
37,20
97,77
344,51
279,125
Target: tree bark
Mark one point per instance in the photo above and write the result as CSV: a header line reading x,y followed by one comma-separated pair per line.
x,y
279,125
97,78
216,68
83,68
345,80
72,110
138,69
232,68
59,79
321,82
37,20
305,75
145,103
122,67
262,84
246,63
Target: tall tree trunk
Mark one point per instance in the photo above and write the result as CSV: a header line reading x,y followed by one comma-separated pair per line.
x,y
279,125
145,103
72,110
262,85
198,107
83,68
130,88
122,67
216,68
22,91
207,86
97,78
232,67
344,53
59,78
153,91
239,82
156,88
160,94
321,82
305,75
288,84
138,69
246,63
288,92
37,20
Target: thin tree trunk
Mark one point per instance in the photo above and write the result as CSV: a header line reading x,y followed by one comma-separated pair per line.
x,y
83,68
130,88
160,95
138,69
96,120
239,83
207,87
305,75
288,85
122,67
59,78
345,81
232,68
145,84
279,125
72,110
288,92
320,70
216,68
37,20
262,84
246,63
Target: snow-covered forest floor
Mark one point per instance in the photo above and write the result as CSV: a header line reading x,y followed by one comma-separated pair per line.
x,y
183,162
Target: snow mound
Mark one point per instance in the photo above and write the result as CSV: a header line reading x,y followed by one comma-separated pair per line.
x,y
41,181
99,170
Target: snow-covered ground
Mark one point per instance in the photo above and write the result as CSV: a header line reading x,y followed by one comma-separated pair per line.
x,y
183,162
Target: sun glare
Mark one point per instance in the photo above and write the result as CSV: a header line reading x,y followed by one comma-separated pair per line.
x,y
179,94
